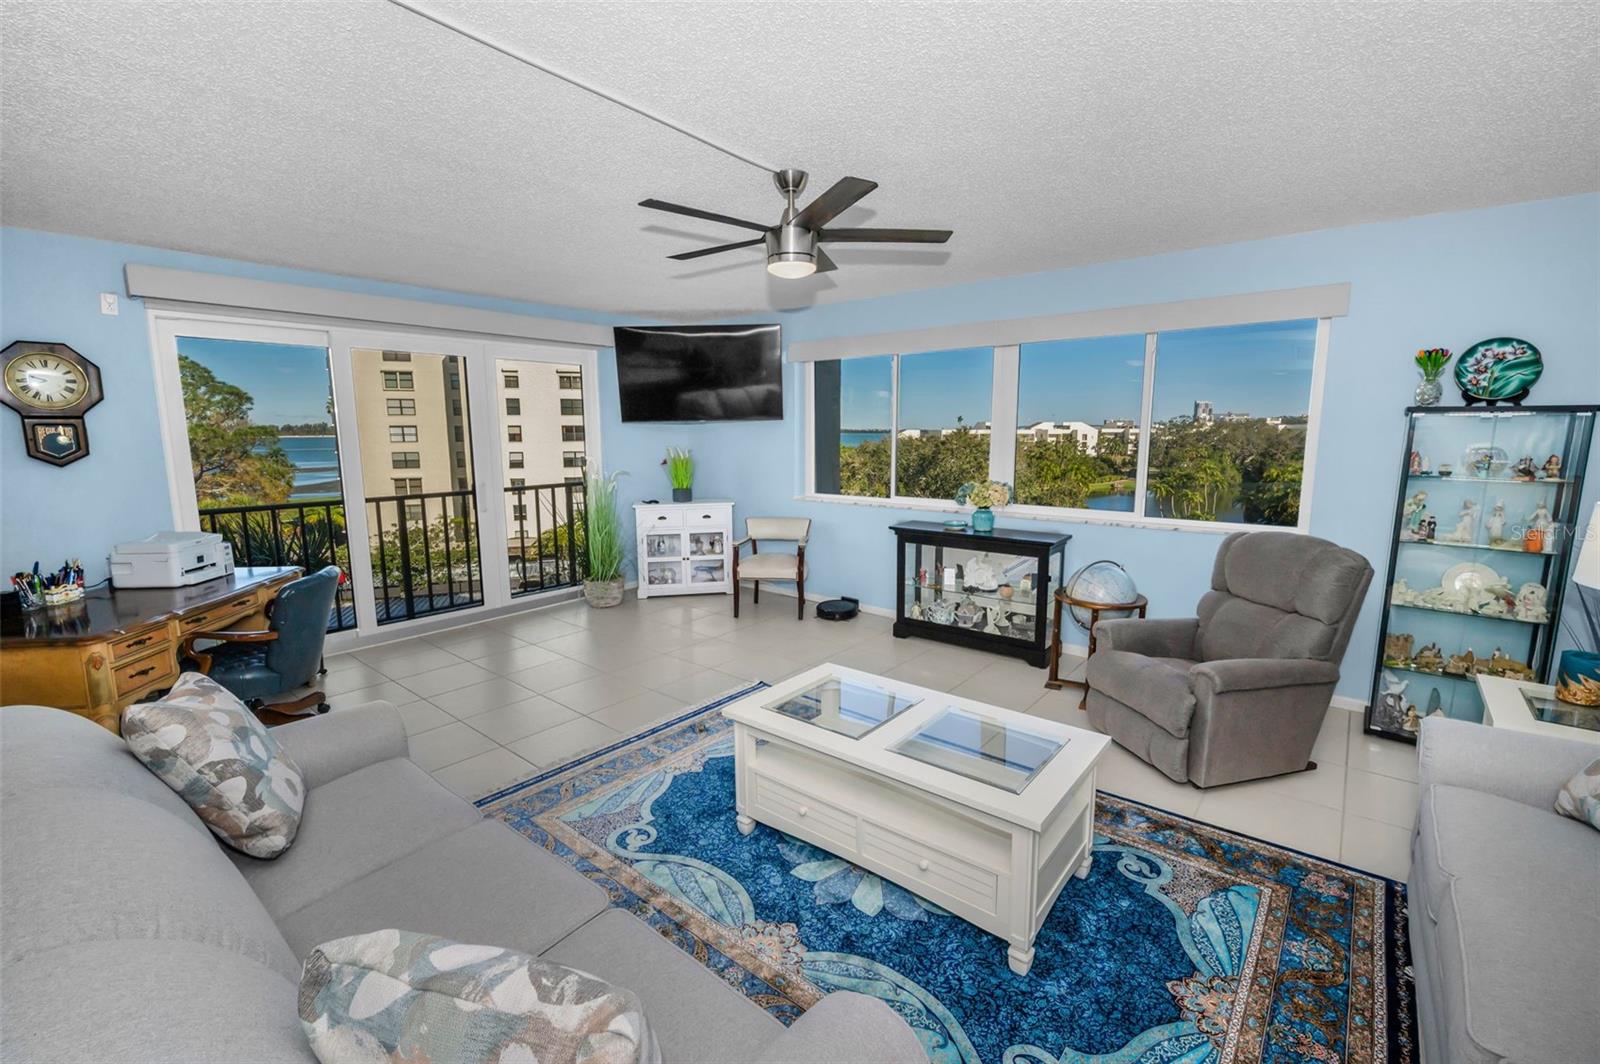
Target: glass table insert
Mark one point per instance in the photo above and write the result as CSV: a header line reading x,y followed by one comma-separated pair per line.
x,y
989,751
846,707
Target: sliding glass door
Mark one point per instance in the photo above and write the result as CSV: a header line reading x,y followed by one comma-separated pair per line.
x,y
439,473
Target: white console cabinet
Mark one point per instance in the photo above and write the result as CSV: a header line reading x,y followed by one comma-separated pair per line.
x,y
685,548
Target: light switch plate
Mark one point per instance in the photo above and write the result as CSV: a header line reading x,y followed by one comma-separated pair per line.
x,y
108,302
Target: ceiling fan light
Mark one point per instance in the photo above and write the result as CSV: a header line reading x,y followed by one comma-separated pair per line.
x,y
791,265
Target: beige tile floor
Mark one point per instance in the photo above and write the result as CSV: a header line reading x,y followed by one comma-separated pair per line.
x,y
487,704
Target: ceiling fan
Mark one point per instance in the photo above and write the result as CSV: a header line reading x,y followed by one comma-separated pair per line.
x,y
794,245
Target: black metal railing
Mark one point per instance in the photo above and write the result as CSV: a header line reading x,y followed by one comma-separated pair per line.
x,y
425,555
309,534
544,540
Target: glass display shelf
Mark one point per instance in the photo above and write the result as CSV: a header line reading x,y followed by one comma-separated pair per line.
x,y
1436,478
1466,613
980,748
844,707
1508,548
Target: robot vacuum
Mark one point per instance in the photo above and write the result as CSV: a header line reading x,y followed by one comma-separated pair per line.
x,y
839,609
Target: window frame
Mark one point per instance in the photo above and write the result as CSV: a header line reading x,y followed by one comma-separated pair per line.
x,y
1002,443
403,434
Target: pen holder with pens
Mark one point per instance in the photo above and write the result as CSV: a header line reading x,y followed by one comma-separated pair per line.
x,y
60,596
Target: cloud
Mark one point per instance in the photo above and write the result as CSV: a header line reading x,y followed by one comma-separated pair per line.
x,y
1133,362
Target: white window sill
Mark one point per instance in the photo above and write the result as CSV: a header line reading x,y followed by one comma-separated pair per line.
x,y
1052,516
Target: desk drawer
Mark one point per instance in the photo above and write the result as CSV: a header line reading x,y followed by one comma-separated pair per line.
x,y
153,670
142,642
650,520
931,871
709,517
217,617
781,806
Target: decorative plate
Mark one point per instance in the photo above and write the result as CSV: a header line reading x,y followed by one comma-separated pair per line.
x,y
1503,369
1470,576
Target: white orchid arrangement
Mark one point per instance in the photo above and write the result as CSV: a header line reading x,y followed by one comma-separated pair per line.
x,y
984,494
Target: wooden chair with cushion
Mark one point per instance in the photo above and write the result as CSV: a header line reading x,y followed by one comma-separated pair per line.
x,y
258,665
773,565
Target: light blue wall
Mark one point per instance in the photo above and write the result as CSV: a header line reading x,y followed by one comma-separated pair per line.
x,y
1529,270
50,289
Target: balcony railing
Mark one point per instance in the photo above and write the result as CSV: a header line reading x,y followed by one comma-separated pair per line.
x,y
425,554
308,534
544,542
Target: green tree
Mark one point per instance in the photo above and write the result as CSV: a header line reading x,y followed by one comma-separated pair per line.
x,y
864,469
1055,473
933,467
234,461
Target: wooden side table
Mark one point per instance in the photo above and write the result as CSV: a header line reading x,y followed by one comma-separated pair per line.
x,y
1055,682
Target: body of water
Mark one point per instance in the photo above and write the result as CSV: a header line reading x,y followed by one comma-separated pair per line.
x,y
316,464
856,439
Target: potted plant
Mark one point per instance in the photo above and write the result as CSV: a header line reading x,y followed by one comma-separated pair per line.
x,y
602,542
1431,361
983,494
680,471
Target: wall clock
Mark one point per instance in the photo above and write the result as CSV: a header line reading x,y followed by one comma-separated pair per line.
x,y
51,386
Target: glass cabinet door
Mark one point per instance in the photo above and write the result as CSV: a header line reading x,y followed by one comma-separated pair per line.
x,y
985,591
1483,532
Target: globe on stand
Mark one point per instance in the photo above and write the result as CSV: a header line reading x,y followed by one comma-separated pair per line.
x,y
1102,581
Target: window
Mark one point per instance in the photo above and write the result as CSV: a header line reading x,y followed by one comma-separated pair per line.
x,y
1078,404
461,484
1229,422
458,434
570,382
402,407
518,482
854,411
513,406
408,485
414,513
402,434
455,408
572,459
571,407
461,459
1204,425
455,382
944,419
513,433
519,512
514,459
572,433
511,380
574,480
407,460
397,356
397,380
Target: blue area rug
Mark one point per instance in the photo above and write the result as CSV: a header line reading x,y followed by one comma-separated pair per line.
x,y
1185,945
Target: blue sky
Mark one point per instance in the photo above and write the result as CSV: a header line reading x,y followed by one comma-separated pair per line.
x,y
289,383
1262,370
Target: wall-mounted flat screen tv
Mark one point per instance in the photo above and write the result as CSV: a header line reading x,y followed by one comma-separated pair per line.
x,y
700,372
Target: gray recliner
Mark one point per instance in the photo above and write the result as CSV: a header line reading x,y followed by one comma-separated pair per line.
x,y
1240,691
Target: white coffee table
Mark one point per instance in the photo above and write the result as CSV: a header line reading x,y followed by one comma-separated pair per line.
x,y
1505,707
982,810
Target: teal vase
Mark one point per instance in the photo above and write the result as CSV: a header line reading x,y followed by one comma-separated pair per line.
x,y
983,519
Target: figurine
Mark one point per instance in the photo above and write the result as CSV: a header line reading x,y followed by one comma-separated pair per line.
x,y
1552,467
981,574
1416,465
1392,703
1402,594
1463,664
1429,526
1501,664
1466,525
1412,723
1531,603
1429,659
1524,469
1445,469
1540,520
1414,511
1495,524
1397,648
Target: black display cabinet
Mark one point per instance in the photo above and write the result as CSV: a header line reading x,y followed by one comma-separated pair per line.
x,y
985,590
1485,519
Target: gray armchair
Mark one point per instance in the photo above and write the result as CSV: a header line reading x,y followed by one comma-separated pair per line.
x,y
1240,691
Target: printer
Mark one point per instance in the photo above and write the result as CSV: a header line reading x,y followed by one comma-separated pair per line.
x,y
171,559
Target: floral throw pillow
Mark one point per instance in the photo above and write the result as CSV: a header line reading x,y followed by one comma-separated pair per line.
x,y
1580,796
203,743
401,996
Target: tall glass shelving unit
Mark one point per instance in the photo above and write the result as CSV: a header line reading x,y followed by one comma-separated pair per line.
x,y
1487,512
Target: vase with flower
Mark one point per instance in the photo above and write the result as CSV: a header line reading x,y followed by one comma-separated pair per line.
x,y
1431,361
983,495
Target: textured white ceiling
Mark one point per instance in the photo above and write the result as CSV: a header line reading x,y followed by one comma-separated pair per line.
x,y
356,138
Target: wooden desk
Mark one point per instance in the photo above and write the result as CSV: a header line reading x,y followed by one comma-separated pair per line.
x,y
113,648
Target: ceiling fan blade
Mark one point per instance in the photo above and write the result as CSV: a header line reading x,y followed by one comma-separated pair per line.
x,y
693,212
886,236
834,202
824,264
717,250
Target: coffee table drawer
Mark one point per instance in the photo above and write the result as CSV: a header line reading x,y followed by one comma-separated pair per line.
x,y
932,872
829,825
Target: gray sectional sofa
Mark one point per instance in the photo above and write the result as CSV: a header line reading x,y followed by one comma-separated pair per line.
x,y
1504,900
127,932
